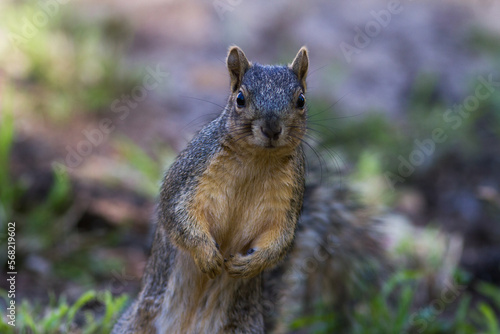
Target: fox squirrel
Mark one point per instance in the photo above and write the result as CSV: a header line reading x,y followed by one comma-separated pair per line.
x,y
229,211
228,208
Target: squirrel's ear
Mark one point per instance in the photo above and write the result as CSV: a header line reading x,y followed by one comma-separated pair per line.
x,y
237,64
300,64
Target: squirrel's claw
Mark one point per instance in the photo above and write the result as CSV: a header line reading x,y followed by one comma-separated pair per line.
x,y
243,266
209,261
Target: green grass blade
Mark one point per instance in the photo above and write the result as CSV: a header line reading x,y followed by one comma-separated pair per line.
x,y
490,317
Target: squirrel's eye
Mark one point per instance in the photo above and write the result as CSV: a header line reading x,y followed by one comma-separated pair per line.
x,y
301,101
240,100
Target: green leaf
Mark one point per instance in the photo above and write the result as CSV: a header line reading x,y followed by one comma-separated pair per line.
x,y
490,317
491,291
84,299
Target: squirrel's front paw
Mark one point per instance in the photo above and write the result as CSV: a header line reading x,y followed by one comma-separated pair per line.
x,y
245,266
209,260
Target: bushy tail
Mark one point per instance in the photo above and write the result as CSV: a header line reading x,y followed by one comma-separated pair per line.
x,y
336,261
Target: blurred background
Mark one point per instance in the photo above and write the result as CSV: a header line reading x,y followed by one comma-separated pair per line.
x,y
98,97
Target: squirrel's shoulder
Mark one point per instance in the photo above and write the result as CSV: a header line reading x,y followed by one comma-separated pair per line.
x,y
192,161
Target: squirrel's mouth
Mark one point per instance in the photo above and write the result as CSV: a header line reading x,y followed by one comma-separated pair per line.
x,y
270,145
274,145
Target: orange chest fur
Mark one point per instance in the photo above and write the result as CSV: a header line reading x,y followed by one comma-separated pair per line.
x,y
238,199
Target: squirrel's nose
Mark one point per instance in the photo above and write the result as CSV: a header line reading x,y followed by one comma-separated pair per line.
x,y
271,133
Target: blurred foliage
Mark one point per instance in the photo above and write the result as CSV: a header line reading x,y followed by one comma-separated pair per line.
x,y
393,310
58,68
414,299
94,312
146,171
375,145
71,64
52,222
8,191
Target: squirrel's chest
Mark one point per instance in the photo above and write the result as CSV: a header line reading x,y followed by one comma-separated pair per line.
x,y
239,200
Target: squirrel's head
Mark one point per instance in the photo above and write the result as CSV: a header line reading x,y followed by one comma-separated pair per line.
x,y
267,105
